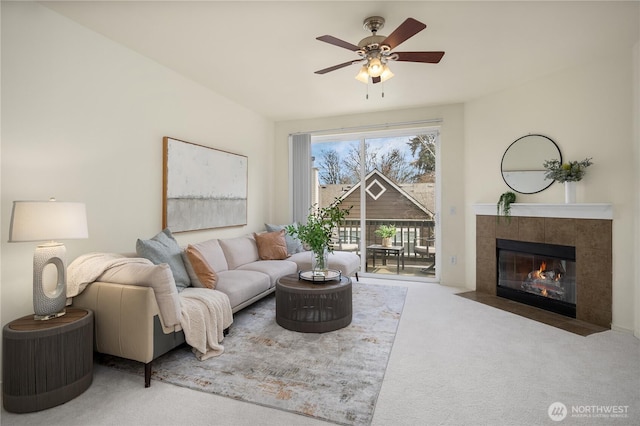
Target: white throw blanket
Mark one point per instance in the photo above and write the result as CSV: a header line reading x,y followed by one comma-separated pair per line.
x,y
88,267
205,315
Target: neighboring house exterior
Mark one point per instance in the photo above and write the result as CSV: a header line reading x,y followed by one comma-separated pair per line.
x,y
410,207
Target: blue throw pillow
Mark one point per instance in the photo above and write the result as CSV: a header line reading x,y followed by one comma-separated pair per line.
x,y
294,245
163,248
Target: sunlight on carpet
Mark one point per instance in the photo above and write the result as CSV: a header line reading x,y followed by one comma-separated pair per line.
x,y
333,376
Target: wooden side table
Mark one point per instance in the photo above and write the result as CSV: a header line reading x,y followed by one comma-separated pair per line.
x,y
46,363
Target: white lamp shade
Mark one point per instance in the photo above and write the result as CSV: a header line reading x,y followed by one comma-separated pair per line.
x,y
47,221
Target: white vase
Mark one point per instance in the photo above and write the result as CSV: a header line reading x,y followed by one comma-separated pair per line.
x,y
386,242
570,192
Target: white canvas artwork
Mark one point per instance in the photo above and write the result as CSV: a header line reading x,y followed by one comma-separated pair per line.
x,y
203,187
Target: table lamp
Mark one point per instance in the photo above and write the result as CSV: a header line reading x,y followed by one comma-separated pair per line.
x,y
48,221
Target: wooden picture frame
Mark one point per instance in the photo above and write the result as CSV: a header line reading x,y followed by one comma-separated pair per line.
x,y
203,187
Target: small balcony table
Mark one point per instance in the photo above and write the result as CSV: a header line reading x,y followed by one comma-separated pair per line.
x,y
397,250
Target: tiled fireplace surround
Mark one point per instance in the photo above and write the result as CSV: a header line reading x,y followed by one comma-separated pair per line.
x,y
592,239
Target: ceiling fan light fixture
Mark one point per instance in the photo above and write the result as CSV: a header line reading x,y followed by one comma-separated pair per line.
x,y
375,51
363,75
386,74
375,67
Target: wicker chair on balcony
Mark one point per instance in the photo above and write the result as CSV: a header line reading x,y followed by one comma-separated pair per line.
x,y
426,248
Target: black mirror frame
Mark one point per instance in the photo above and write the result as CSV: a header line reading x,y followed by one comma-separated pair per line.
x,y
507,150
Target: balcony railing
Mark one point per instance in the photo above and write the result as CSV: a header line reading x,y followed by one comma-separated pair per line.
x,y
409,233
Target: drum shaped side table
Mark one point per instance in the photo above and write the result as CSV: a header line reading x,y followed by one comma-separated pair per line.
x,y
313,307
46,363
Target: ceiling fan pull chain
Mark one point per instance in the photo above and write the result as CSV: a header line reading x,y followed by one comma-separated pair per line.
x,y
383,89
367,97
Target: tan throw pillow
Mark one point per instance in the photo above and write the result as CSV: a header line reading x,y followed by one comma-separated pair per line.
x,y
271,245
207,277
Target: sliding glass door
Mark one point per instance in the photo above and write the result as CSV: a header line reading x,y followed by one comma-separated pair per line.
x,y
390,179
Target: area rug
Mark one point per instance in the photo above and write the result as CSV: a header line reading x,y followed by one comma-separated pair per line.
x,y
333,376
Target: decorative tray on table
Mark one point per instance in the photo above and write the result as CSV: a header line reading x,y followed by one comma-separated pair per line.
x,y
329,275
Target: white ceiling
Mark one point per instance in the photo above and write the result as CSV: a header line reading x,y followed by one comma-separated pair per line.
x,y
263,54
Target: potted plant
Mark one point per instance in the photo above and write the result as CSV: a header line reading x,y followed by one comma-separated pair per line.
x,y
386,232
504,205
317,233
567,173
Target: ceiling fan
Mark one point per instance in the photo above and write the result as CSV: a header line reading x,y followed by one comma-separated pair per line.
x,y
375,50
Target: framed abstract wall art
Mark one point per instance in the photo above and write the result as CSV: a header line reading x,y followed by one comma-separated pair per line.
x,y
203,187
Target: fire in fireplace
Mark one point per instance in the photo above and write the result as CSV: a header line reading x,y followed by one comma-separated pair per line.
x,y
541,275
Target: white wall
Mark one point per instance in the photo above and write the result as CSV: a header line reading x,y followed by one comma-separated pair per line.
x,y
587,111
452,174
83,120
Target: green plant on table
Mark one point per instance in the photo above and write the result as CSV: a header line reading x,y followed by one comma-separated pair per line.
x,y
386,231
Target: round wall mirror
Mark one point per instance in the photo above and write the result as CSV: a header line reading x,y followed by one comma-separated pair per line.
x,y
522,168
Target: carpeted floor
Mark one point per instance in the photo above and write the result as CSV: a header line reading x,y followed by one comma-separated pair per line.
x,y
333,376
454,362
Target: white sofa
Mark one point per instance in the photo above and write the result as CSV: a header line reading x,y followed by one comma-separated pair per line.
x,y
130,324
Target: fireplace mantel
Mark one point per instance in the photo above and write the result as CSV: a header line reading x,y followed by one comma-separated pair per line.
x,y
570,211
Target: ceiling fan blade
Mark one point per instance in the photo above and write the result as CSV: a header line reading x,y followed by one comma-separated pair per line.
x,y
375,80
427,57
336,67
405,31
337,42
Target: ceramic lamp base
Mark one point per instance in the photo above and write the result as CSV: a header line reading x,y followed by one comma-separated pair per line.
x,y
49,304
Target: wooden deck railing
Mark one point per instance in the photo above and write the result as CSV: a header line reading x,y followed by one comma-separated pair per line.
x,y
409,232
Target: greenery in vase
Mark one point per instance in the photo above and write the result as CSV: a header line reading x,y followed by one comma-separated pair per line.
x,y
504,204
573,171
386,231
317,233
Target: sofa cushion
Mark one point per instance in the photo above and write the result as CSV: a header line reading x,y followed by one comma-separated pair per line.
x,y
200,272
163,248
213,254
346,262
273,268
239,251
294,245
271,245
241,286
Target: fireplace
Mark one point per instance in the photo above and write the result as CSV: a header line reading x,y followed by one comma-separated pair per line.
x,y
585,227
537,274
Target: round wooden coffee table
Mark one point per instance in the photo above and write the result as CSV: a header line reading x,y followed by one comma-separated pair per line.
x,y
313,307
